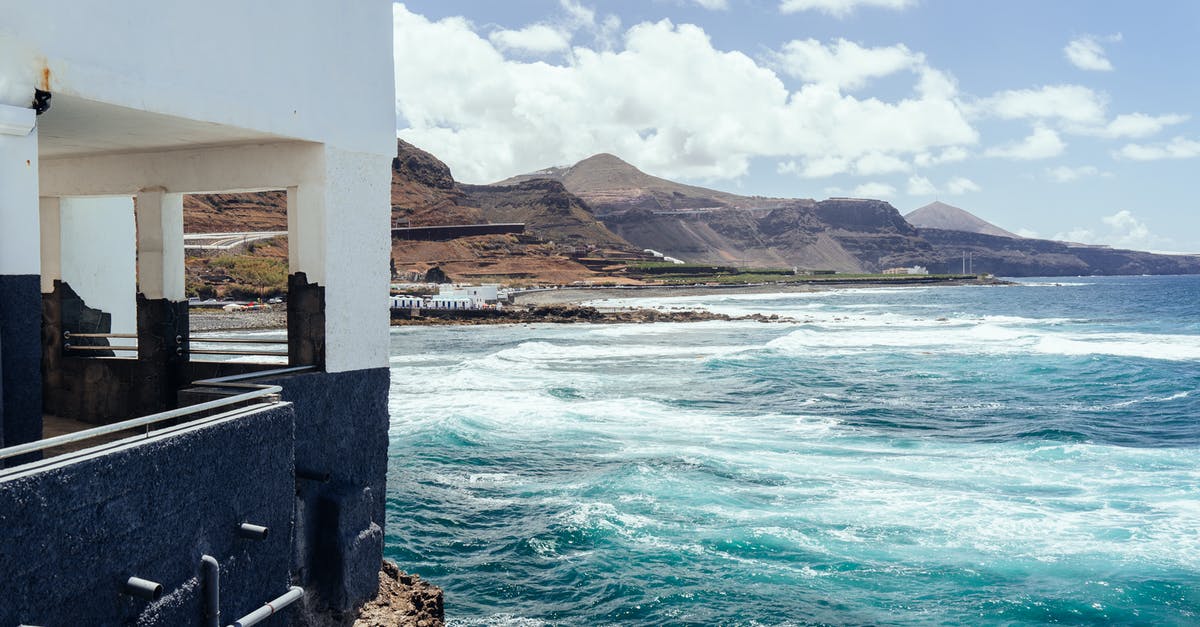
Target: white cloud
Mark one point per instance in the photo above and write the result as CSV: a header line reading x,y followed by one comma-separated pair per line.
x,y
1121,230
1086,53
876,163
961,185
949,155
844,63
920,186
1132,125
1030,233
841,8
1043,143
1067,174
1177,148
874,190
663,98
713,5
536,38
1069,103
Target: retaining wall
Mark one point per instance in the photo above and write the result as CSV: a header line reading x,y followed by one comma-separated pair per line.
x,y
75,531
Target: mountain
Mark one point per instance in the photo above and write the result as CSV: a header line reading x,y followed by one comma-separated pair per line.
x,y
702,225
424,193
609,185
845,234
939,215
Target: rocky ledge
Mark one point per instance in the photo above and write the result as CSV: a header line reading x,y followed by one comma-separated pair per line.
x,y
403,601
568,314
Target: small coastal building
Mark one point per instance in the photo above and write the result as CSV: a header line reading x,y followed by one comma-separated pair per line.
x,y
138,485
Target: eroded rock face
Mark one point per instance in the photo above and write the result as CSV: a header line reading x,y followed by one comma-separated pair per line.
x,y
403,601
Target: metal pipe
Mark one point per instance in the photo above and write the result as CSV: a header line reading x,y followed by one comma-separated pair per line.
x,y
293,594
143,588
234,379
251,531
29,447
232,352
123,336
99,348
211,569
236,340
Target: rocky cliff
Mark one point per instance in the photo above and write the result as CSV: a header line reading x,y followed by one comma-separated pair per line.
x,y
844,234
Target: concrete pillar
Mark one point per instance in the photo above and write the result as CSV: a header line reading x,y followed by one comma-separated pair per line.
x,y
20,286
50,212
98,243
306,274
160,245
162,316
358,212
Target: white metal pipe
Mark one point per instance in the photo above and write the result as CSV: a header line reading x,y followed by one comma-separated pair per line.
x,y
212,590
257,616
29,447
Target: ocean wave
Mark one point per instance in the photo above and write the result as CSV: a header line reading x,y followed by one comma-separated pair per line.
x,y
990,339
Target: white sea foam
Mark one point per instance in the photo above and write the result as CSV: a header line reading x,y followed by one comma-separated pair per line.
x,y
961,337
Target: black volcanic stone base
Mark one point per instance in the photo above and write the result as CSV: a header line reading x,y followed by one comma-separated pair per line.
x,y
306,322
20,359
341,431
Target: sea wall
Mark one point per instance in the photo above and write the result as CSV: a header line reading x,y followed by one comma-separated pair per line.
x,y
76,530
341,467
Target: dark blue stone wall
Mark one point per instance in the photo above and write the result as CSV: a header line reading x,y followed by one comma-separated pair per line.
x,y
20,358
341,430
73,533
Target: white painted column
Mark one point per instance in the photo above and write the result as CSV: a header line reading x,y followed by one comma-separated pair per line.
x,y
97,240
20,242
306,230
160,272
50,210
357,210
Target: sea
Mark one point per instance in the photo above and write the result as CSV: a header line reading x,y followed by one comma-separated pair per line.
x,y
977,455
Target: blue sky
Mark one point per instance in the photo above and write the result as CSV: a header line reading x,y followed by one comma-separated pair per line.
x,y
1070,119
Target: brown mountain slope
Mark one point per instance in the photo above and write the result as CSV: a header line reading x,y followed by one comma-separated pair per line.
x,y
424,193
939,215
611,185
709,226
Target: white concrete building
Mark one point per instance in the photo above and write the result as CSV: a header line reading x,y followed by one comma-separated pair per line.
x,y
149,101
288,96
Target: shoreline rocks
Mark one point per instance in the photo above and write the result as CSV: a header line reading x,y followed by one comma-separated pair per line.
x,y
403,601
567,314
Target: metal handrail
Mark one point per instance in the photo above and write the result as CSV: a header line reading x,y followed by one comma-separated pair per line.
x,y
255,391
236,340
199,351
71,347
121,336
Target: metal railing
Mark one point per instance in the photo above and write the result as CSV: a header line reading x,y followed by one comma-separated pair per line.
x,y
270,393
183,346
234,351
68,346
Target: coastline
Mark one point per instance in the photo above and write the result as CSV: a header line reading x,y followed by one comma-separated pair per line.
x,y
574,295
563,305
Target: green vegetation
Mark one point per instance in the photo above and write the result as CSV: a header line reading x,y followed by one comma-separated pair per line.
x,y
242,276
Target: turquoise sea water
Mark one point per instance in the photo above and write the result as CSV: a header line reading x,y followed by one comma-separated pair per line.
x,y
951,455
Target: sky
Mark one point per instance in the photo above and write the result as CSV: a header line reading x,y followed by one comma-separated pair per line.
x,y
1071,119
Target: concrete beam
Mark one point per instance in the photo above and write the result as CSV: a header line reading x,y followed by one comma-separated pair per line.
x,y
228,168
